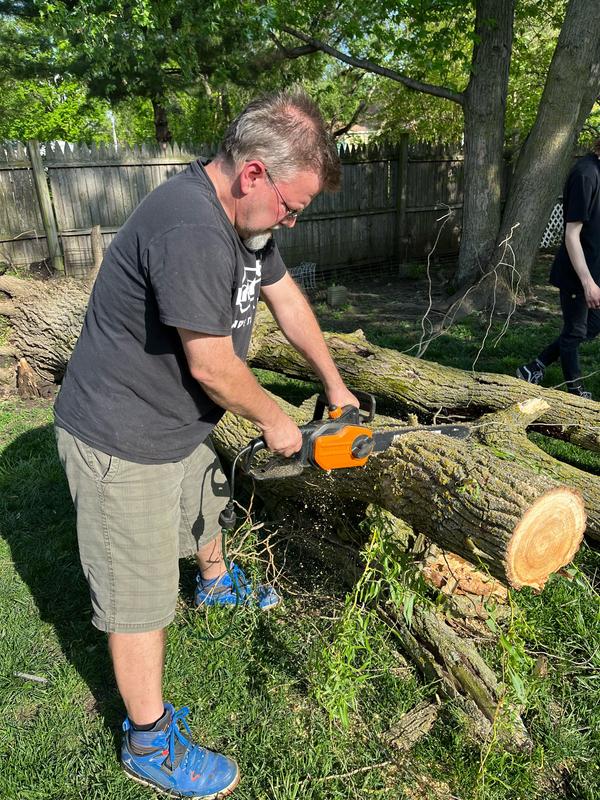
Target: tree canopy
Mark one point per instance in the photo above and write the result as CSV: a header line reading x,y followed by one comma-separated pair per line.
x,y
197,62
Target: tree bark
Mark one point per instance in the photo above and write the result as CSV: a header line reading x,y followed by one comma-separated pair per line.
x,y
484,110
161,123
571,88
46,319
26,381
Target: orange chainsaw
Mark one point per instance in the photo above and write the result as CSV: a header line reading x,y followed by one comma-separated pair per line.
x,y
341,440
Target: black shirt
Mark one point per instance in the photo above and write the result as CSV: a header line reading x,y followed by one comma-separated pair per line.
x,y
581,203
176,262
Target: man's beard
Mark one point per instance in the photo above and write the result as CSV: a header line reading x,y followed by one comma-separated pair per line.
x,y
257,240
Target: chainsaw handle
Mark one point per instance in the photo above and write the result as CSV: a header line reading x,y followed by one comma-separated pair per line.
x,y
252,448
367,404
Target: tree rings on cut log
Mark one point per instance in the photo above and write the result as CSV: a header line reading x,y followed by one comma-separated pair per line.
x,y
546,538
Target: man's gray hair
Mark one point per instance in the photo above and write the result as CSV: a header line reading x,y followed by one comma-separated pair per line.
x,y
284,130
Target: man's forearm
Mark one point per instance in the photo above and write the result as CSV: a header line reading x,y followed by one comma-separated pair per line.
x,y
238,391
300,327
230,384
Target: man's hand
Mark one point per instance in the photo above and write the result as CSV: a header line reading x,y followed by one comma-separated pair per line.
x,y
592,294
284,437
342,397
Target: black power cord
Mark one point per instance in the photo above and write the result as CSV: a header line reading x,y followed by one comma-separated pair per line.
x,y
227,521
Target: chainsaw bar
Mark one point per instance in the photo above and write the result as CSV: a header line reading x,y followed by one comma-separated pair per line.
x,y
279,468
383,439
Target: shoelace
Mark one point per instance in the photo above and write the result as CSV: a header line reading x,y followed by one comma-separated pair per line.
x,y
194,755
240,580
236,577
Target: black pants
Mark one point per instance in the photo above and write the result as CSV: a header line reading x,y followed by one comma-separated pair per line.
x,y
580,324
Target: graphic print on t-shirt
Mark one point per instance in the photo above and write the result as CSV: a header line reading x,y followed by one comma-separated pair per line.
x,y
247,296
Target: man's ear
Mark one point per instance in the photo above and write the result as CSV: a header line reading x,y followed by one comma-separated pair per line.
x,y
252,173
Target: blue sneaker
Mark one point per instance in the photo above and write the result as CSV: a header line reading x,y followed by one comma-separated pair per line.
x,y
222,591
172,764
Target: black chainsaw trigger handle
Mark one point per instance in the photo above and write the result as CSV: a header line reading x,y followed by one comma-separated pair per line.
x,y
367,407
252,448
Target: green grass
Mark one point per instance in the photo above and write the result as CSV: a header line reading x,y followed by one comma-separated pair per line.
x,y
250,695
262,694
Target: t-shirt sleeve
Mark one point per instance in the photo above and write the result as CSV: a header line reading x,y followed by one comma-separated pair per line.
x,y
192,272
578,203
273,268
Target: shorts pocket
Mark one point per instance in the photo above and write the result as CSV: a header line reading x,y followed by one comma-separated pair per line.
x,y
104,466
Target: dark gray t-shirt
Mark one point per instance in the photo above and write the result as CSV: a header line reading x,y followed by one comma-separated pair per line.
x,y
176,262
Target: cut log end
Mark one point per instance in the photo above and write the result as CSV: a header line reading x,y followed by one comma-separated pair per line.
x,y
546,538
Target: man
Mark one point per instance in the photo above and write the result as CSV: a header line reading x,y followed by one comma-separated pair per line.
x,y
161,355
576,272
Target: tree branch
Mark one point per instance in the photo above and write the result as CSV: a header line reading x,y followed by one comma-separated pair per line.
x,y
344,129
369,66
293,52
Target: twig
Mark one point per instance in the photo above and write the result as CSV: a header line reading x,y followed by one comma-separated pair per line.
x,y
27,677
347,774
421,347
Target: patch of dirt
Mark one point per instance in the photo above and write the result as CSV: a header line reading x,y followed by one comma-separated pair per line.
x,y
390,299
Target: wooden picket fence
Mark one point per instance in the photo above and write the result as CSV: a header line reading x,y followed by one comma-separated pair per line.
x,y
389,211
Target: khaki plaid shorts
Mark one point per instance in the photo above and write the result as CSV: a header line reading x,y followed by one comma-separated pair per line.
x,y
134,523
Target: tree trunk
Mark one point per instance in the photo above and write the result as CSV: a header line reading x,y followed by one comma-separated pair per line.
x,y
161,123
571,88
518,526
484,110
46,319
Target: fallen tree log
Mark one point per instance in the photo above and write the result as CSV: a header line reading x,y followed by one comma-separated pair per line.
x,y
517,526
504,433
462,675
426,388
46,318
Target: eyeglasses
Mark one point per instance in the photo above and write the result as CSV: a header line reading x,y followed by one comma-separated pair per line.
x,y
290,213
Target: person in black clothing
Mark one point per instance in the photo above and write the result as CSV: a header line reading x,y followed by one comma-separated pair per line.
x,y
576,272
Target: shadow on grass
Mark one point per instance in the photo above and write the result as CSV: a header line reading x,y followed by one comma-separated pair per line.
x,y
39,526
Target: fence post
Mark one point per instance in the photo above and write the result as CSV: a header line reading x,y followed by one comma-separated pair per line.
x,y
46,208
401,191
96,242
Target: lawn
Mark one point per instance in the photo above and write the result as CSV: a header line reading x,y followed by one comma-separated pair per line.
x,y
305,717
